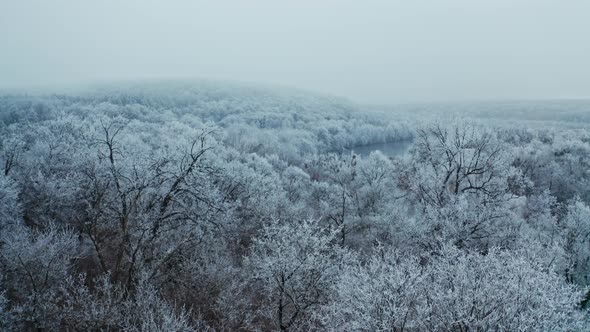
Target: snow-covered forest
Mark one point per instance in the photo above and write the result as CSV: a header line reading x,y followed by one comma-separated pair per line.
x,y
182,206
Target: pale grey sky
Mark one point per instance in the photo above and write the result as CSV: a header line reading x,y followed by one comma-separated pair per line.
x,y
366,50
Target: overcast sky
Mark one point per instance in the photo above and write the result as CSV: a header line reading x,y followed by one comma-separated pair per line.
x,y
366,50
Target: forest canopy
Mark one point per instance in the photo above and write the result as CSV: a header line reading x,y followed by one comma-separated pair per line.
x,y
181,206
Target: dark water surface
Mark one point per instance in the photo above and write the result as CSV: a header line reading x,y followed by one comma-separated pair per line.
x,y
391,149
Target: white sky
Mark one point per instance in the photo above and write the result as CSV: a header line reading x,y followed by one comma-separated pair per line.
x,y
366,50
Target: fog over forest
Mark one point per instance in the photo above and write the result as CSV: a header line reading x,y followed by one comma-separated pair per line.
x,y
374,51
302,166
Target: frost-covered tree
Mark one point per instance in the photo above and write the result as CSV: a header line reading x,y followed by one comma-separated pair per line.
x,y
340,173
453,291
108,306
289,275
34,265
501,290
6,316
459,177
382,294
458,159
10,209
576,227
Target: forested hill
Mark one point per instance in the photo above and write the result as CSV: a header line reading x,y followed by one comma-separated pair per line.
x,y
199,206
282,121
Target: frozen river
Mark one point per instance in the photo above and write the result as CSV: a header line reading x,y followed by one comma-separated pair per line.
x,y
390,149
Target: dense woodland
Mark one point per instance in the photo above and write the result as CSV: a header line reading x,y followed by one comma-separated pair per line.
x,y
204,206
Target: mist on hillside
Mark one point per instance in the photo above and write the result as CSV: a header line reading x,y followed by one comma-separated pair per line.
x,y
372,51
272,166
